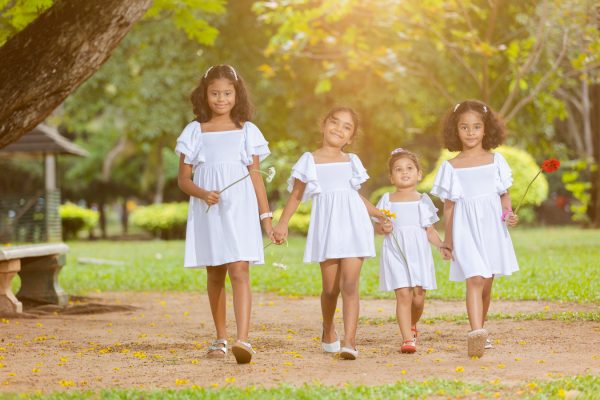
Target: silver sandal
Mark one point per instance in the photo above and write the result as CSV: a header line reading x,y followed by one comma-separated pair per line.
x,y
243,352
217,349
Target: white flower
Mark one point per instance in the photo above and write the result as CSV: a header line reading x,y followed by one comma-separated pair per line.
x,y
270,174
280,265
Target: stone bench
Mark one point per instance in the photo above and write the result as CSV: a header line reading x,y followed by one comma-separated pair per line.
x,y
38,266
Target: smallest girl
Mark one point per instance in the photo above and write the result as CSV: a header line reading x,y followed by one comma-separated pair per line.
x,y
406,263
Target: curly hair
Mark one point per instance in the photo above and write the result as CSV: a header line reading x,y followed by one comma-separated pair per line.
x,y
349,110
494,128
243,108
401,153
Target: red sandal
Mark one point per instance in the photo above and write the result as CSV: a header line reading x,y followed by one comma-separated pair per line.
x,y
408,347
415,333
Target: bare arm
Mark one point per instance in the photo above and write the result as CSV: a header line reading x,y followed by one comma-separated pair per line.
x,y
261,195
281,230
187,185
372,210
434,237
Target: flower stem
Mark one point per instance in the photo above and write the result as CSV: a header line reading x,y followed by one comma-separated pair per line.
x,y
526,190
239,180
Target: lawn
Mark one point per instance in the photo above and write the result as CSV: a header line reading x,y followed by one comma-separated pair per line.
x,y
555,264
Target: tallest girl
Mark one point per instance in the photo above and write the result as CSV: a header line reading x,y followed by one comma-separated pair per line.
x,y
477,209
223,234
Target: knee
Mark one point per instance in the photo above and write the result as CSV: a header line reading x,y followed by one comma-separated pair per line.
x,y
239,277
349,288
331,293
216,278
404,295
476,282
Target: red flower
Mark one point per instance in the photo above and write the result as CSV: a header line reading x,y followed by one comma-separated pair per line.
x,y
550,165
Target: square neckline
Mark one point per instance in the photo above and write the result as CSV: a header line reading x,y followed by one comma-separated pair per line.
x,y
225,131
411,201
475,166
329,163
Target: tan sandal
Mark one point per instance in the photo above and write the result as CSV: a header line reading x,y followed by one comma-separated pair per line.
x,y
217,349
476,342
243,352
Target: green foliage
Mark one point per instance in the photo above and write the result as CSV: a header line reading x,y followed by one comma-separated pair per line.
x,y
300,220
75,219
16,15
524,168
576,179
165,221
555,264
587,386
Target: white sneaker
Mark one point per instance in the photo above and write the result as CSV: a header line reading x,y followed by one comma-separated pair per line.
x,y
333,347
488,344
348,354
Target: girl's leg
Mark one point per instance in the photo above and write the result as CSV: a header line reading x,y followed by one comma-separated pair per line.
x,y
349,286
475,286
418,304
239,274
330,276
404,298
487,297
215,283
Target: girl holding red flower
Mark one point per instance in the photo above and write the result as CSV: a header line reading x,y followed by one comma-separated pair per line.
x,y
477,210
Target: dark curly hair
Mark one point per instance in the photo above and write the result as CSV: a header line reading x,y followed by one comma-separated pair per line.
x,y
494,128
243,108
401,153
336,109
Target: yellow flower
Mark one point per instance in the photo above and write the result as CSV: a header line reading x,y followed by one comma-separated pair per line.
x,y
181,381
195,362
388,213
65,383
460,368
230,379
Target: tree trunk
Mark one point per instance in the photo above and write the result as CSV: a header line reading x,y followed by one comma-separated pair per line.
x,y
594,206
160,176
41,65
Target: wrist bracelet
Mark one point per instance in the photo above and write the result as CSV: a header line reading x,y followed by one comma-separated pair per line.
x,y
506,213
266,215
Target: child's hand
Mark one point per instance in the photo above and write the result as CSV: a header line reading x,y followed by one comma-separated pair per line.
x,y
512,219
446,252
387,226
268,228
211,197
280,233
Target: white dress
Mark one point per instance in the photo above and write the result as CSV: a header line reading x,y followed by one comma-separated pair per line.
x,y
339,221
230,231
482,244
412,219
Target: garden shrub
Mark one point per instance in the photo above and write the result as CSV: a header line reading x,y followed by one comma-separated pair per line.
x,y
75,219
164,221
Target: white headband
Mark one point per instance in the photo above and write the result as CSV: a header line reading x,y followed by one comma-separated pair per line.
x,y
229,66
485,109
396,151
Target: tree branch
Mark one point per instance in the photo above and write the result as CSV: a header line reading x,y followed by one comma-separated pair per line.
x,y
41,65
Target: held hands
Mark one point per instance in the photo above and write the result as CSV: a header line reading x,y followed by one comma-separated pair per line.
x,y
512,219
387,226
280,233
267,227
446,251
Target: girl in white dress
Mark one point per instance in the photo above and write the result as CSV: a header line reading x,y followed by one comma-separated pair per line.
x,y
408,271
477,209
340,234
224,228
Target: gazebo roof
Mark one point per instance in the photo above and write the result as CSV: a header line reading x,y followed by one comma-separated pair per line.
x,y
44,139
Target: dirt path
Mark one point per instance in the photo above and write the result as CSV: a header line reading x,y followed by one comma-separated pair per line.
x,y
162,344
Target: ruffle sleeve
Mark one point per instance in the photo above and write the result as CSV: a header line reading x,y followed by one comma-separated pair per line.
x,y
383,203
446,185
189,143
504,177
254,144
305,170
427,212
359,173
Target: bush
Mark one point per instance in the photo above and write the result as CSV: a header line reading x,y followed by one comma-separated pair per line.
x,y
299,221
524,168
74,219
165,221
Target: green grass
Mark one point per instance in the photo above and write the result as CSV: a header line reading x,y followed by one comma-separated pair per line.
x,y
586,386
555,264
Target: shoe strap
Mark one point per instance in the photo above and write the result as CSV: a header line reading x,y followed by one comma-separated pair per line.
x,y
248,345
